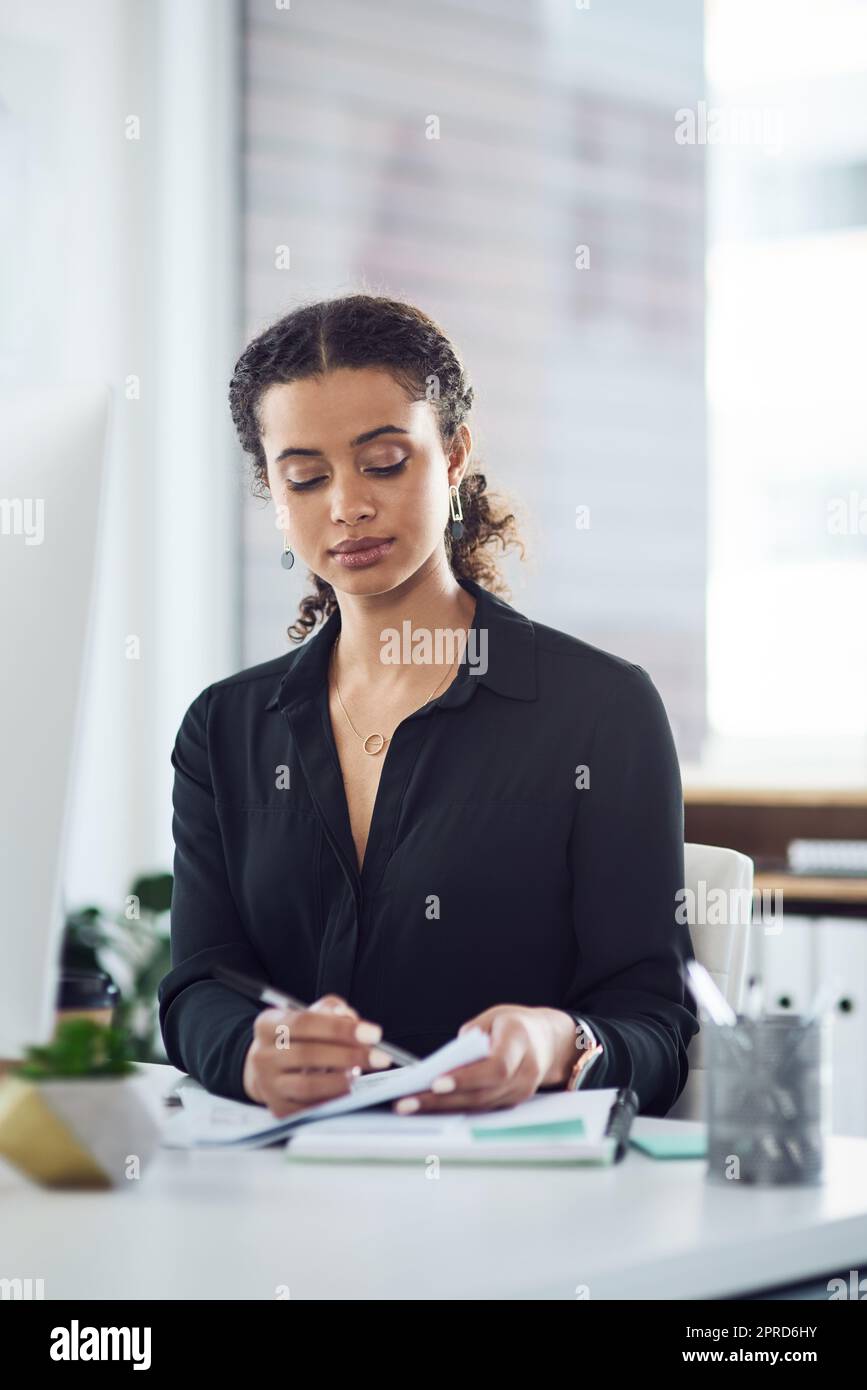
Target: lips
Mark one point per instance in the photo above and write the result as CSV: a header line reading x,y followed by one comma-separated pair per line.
x,y
363,543
361,554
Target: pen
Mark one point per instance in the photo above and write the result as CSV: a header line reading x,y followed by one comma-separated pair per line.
x,y
274,998
708,994
710,997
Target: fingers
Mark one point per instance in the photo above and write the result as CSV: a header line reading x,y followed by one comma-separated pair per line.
x,y
286,1092
508,1075
519,1087
509,1044
320,1024
333,1003
302,1057
289,1041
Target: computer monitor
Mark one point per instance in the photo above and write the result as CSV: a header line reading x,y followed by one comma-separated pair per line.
x,y
51,512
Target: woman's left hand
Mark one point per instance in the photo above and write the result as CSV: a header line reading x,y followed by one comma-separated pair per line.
x,y
529,1048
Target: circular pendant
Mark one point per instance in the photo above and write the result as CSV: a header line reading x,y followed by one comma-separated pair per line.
x,y
379,747
287,559
457,530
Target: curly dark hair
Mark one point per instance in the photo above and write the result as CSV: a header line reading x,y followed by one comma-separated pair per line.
x,y
367,330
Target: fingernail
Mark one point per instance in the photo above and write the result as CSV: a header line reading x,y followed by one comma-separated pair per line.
x,y
444,1083
407,1105
368,1032
378,1058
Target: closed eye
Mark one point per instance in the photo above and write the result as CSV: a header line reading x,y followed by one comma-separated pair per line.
x,y
392,468
378,472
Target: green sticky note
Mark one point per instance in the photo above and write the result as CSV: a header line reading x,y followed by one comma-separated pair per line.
x,y
672,1145
556,1129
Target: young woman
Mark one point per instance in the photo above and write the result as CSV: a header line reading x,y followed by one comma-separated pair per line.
x,y
435,813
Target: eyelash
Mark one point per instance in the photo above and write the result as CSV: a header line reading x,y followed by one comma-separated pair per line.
x,y
380,473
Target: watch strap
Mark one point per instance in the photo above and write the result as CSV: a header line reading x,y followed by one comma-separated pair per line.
x,y
589,1050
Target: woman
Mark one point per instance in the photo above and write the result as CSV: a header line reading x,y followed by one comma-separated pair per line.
x,y
450,816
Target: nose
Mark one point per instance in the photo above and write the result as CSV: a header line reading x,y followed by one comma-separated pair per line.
x,y
348,505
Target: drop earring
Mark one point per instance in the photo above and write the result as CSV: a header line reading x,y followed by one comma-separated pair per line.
x,y
287,559
457,529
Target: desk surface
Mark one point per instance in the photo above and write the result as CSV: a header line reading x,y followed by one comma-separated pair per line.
x,y
239,1225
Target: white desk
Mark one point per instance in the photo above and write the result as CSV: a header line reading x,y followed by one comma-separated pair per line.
x,y
221,1225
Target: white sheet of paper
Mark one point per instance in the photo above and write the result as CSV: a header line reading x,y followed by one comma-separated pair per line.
x,y
213,1120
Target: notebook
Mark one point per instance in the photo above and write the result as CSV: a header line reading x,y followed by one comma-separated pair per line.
x,y
565,1127
209,1121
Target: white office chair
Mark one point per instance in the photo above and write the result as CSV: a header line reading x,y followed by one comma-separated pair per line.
x,y
721,949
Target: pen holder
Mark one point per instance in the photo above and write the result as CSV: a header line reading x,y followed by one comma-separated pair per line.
x,y
768,1099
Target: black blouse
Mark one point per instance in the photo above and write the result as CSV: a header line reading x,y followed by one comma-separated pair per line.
x,y
496,870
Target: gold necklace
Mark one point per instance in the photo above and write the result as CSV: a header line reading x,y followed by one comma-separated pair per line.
x,y
383,740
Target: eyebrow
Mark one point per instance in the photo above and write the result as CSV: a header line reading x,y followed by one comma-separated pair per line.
x,y
353,443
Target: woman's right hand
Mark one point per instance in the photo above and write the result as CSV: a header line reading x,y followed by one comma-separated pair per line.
x,y
301,1057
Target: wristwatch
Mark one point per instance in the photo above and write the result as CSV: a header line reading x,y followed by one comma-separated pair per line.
x,y
589,1051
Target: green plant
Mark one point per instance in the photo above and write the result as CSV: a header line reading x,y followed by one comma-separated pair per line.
x,y
80,1048
133,947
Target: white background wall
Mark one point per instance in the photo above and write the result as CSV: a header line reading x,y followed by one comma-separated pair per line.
x,y
787,301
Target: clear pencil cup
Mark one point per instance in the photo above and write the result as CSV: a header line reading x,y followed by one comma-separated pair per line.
x,y
768,1099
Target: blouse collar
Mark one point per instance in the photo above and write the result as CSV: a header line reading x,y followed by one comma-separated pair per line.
x,y
505,665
